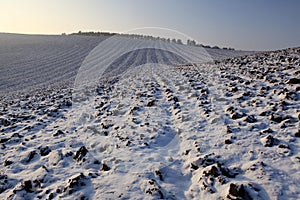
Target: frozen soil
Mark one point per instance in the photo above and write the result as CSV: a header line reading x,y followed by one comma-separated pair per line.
x,y
226,129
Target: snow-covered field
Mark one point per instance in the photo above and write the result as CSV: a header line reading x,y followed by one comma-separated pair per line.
x,y
224,129
36,60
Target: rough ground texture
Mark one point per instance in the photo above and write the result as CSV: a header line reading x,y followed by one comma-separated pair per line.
x,y
223,130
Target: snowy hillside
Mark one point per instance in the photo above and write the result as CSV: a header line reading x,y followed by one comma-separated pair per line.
x,y
34,61
37,60
152,125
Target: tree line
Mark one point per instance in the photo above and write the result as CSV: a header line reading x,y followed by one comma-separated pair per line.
x,y
148,37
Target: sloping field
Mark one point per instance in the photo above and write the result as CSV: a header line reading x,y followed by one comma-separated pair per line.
x,y
32,61
145,120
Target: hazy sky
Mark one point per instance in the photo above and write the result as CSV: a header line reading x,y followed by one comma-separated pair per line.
x,y
251,24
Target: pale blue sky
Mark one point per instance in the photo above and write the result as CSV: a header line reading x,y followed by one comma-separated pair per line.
x,y
252,24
